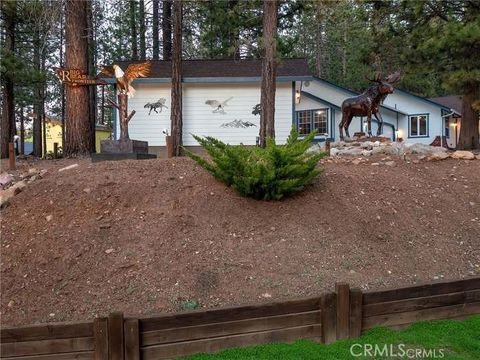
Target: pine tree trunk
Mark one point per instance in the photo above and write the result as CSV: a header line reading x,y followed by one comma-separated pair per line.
x,y
7,125
155,33
469,137
267,116
176,113
37,117
141,20
92,90
78,131
319,18
167,29
133,30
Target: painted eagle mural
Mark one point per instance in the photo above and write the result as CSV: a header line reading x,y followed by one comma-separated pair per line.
x,y
125,78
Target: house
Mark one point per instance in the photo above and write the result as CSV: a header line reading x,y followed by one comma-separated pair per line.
x,y
53,129
221,98
453,119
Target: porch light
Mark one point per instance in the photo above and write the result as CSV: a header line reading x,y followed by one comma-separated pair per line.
x,y
297,97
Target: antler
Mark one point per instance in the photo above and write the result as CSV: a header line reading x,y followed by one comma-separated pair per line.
x,y
376,78
393,78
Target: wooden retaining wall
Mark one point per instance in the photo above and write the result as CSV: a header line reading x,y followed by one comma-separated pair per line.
x,y
345,313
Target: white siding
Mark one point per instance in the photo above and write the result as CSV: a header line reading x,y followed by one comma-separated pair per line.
x,y
199,118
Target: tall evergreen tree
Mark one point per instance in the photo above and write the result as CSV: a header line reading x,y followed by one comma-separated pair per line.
x,y
269,72
7,124
176,114
78,130
167,29
155,32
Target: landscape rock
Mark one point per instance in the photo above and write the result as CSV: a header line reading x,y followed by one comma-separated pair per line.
x,y
463,155
390,163
334,152
6,195
352,151
438,156
367,153
5,180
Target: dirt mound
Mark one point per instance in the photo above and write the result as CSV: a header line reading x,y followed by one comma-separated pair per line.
x,y
157,235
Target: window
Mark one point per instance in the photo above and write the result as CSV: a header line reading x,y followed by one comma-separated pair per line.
x,y
309,120
418,125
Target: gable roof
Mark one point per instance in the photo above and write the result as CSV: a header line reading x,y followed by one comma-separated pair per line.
x,y
453,102
244,68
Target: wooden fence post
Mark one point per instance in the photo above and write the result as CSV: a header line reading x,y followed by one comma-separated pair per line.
x,y
132,339
169,146
329,318
356,303
100,336
115,336
328,146
343,310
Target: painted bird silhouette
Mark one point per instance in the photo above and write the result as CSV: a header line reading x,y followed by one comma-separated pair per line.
x,y
218,107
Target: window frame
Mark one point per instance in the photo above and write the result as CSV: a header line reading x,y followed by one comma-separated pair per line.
x,y
427,118
312,121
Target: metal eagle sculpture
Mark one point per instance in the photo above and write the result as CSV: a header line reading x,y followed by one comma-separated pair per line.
x,y
368,103
125,78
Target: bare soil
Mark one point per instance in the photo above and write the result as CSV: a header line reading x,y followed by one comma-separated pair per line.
x,y
145,237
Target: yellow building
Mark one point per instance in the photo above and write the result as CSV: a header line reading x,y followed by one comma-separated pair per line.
x,y
54,134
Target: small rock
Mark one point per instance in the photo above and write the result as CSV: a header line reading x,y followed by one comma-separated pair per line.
x,y
51,314
49,218
73,166
375,164
267,295
33,171
108,251
6,179
211,194
356,162
11,303
105,226
87,190
390,163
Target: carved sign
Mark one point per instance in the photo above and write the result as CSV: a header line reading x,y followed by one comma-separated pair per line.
x,y
76,77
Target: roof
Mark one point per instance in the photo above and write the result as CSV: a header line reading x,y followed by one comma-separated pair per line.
x,y
453,102
249,68
351,92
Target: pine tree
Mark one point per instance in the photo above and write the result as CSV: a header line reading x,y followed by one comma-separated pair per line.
x,y
176,114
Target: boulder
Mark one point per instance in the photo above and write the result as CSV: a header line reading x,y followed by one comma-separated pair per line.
x,y
423,149
334,151
463,155
5,180
438,156
352,151
6,195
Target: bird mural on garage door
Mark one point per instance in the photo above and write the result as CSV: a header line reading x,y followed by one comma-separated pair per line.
x,y
160,104
218,106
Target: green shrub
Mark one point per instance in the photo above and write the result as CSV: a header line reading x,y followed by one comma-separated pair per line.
x,y
262,173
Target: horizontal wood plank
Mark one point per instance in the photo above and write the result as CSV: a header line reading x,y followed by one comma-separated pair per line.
x,y
167,351
83,355
371,297
46,346
420,303
200,317
47,331
437,313
230,328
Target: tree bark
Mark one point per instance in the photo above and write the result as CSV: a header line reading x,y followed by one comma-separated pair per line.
x,y
92,90
155,33
78,131
133,30
469,137
267,116
37,112
7,125
141,20
176,113
167,29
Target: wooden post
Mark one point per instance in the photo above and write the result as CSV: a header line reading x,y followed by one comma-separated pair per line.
x,y
11,156
169,145
328,146
123,112
343,310
356,302
55,150
115,336
132,339
100,336
329,318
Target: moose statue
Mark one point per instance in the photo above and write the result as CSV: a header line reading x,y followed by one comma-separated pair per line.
x,y
367,103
